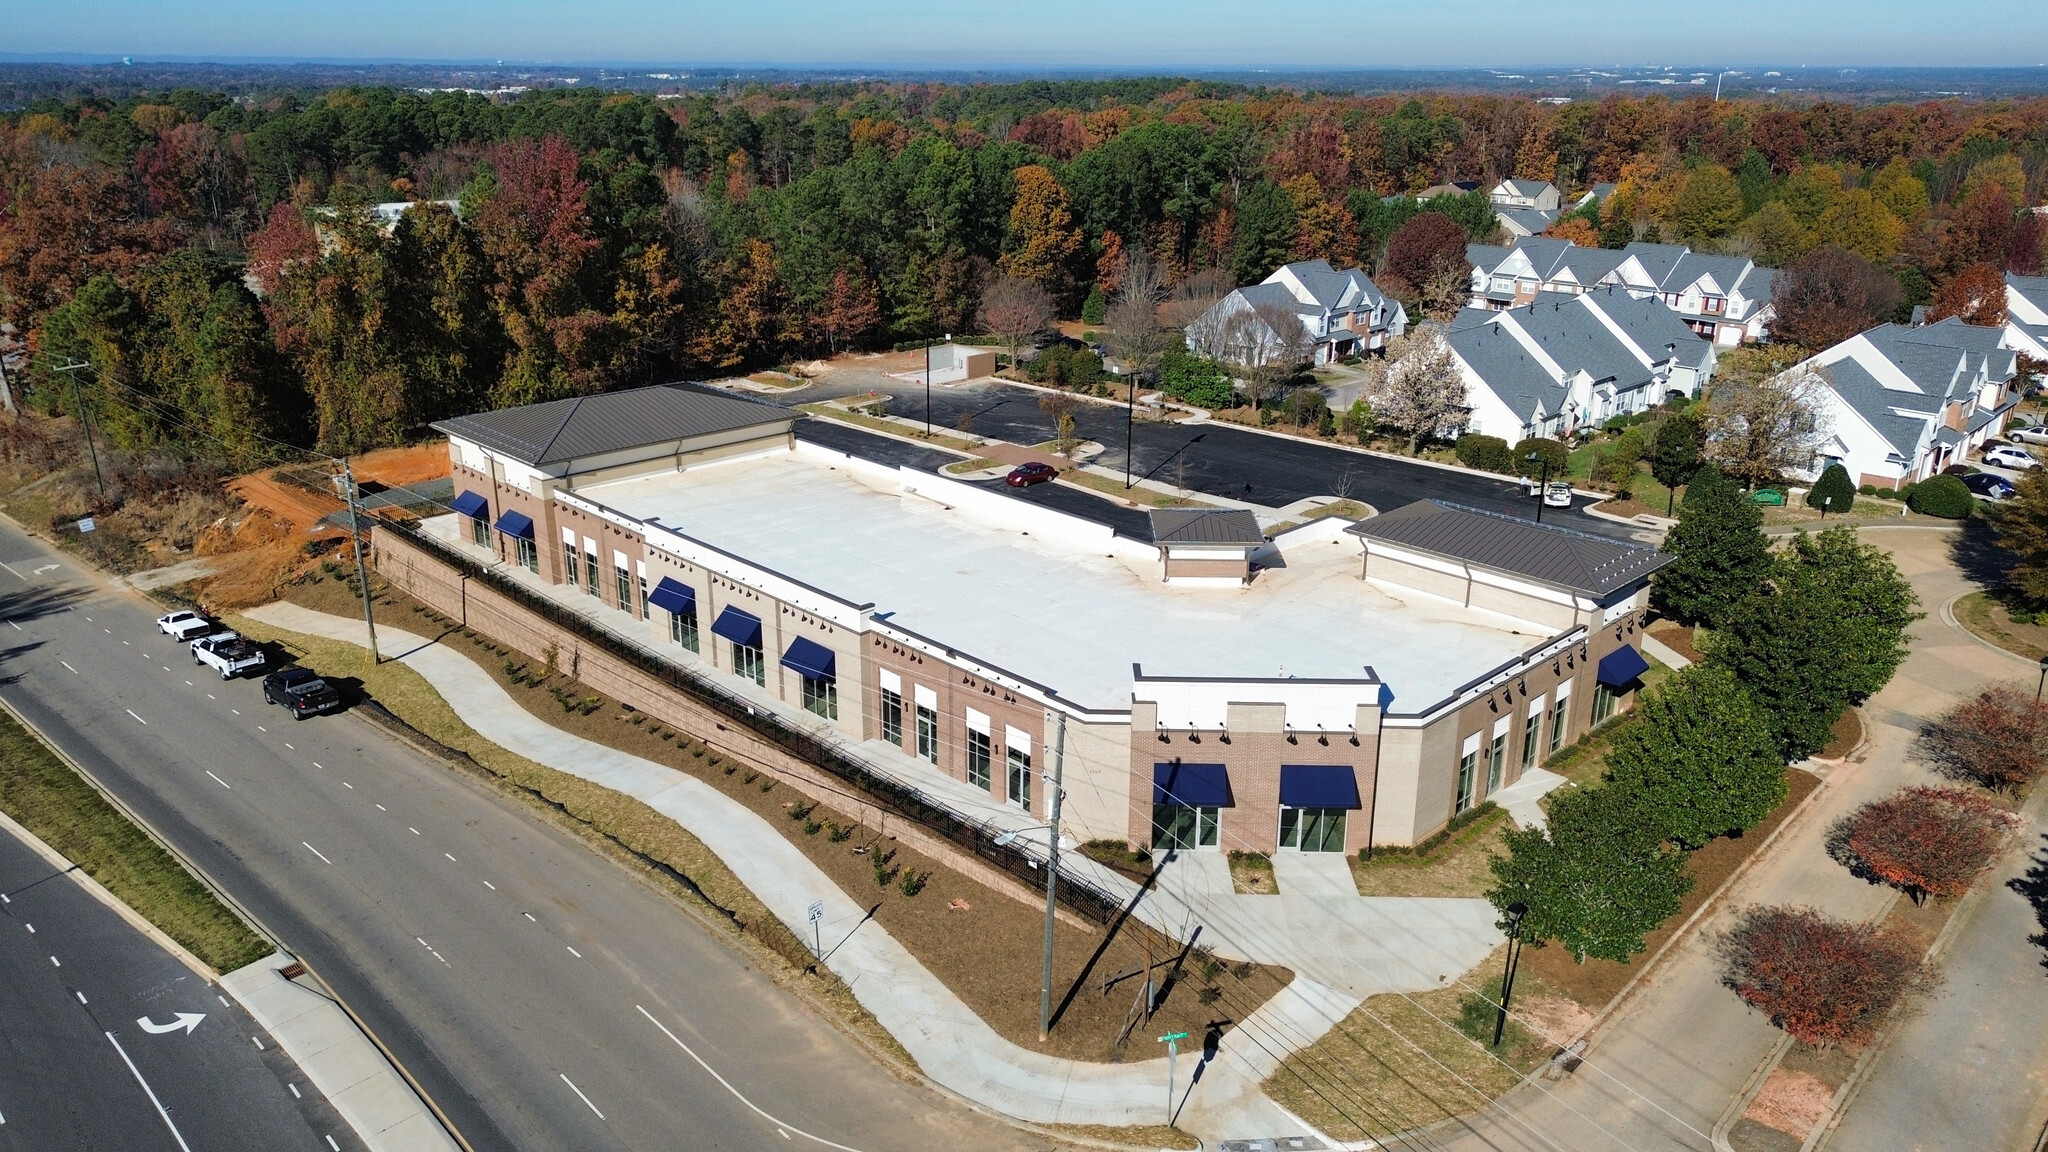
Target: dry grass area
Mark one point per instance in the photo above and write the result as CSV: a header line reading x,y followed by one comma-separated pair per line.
x,y
1988,619
1458,868
1251,874
1594,982
65,811
984,944
1843,735
1114,486
1791,1102
1402,1062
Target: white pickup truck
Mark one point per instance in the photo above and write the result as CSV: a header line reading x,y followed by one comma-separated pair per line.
x,y
227,653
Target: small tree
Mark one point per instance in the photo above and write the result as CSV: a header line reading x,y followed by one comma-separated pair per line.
x,y
1015,310
1827,630
1998,738
1825,981
1594,880
1423,392
1060,407
1698,758
1925,841
1833,492
1096,304
1360,421
1829,295
1719,554
1760,432
1676,454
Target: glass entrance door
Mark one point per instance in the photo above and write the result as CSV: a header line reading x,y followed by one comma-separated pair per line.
x,y
1180,826
1312,829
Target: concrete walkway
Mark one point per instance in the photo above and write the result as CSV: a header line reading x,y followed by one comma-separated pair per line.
x,y
949,1042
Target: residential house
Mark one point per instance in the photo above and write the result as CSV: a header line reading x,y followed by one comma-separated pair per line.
x,y
1597,194
1726,299
1553,366
1900,404
1344,313
2026,315
1541,195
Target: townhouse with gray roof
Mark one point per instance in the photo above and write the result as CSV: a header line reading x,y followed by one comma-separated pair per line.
x,y
2026,315
1563,362
1900,404
1525,207
1726,299
1342,310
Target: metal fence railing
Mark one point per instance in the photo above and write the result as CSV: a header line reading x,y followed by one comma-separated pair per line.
x,y
886,792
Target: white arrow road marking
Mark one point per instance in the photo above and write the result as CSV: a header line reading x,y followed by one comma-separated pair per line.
x,y
45,568
186,1022
151,1092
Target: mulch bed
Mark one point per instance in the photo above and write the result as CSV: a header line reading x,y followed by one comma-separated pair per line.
x,y
986,946
1843,735
1596,982
1676,637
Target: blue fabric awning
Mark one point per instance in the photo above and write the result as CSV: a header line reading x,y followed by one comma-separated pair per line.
x,y
1318,786
1193,785
472,505
673,596
516,524
809,658
742,628
1619,668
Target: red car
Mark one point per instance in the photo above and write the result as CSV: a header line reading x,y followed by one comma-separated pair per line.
x,y
1025,475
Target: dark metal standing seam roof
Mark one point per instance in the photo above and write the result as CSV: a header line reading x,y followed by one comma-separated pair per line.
x,y
557,431
1205,526
1593,566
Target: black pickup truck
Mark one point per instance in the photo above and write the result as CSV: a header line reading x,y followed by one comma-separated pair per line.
x,y
302,692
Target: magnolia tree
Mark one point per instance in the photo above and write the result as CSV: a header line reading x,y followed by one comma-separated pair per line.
x,y
1759,432
1423,392
1923,841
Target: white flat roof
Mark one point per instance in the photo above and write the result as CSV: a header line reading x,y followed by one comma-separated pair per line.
x,y
1071,618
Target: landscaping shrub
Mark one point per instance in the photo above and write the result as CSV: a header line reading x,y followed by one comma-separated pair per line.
x,y
1834,486
1194,379
1998,739
1943,496
1719,555
1699,760
1868,490
1924,841
1825,981
1307,407
1547,451
1066,366
1487,453
1595,880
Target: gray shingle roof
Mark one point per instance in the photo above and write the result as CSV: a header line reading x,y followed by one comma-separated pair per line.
x,y
1593,566
2034,289
1205,526
1879,406
1657,259
558,431
1532,220
1517,378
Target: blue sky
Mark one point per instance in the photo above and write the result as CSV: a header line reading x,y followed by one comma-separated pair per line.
x,y
1161,34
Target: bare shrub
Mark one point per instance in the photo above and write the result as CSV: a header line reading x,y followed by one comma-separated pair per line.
x,y
1998,739
1924,841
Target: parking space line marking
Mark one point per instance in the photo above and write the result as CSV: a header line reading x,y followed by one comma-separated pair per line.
x,y
138,719
68,667
219,781
258,1042
316,852
295,1091
211,696
259,727
236,711
580,1095
491,886
574,952
80,995
451,859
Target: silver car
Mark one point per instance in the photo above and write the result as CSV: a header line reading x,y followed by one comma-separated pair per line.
x,y
2033,434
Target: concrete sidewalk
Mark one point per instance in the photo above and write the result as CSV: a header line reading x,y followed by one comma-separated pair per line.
x,y
950,1043
338,1058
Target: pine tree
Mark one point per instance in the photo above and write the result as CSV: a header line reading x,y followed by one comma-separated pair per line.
x,y
1698,759
1832,492
1718,550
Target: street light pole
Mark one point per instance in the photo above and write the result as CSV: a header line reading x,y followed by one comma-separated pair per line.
x,y
2044,680
1542,486
927,387
1516,911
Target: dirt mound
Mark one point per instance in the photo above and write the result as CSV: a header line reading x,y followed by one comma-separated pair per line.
x,y
249,577
395,467
299,507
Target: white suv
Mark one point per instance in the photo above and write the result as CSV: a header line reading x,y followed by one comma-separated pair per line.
x,y
2007,456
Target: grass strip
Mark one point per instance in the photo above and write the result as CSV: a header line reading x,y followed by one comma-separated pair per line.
x,y
46,796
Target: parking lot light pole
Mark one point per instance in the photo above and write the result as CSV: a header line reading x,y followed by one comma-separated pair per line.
x,y
1543,486
1516,911
2044,680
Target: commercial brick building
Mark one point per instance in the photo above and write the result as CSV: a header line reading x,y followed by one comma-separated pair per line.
x,y
1330,688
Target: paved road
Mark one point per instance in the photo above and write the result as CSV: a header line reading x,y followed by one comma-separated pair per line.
x,y
525,981
1236,462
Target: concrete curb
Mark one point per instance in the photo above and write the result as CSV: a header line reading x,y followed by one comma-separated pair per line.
x,y
338,1058
99,892
1948,617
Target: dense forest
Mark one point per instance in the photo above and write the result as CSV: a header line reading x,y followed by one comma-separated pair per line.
x,y
217,262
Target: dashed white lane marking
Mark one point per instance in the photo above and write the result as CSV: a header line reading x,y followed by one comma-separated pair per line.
x,y
413,830
529,916
259,727
68,667
491,886
581,1096
451,859
785,1135
382,808
211,696
138,719
223,1000
190,684
295,1091
236,711
316,852
54,963
80,995
31,928
221,782
574,952
258,1042
293,749
167,668
17,627
330,1139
